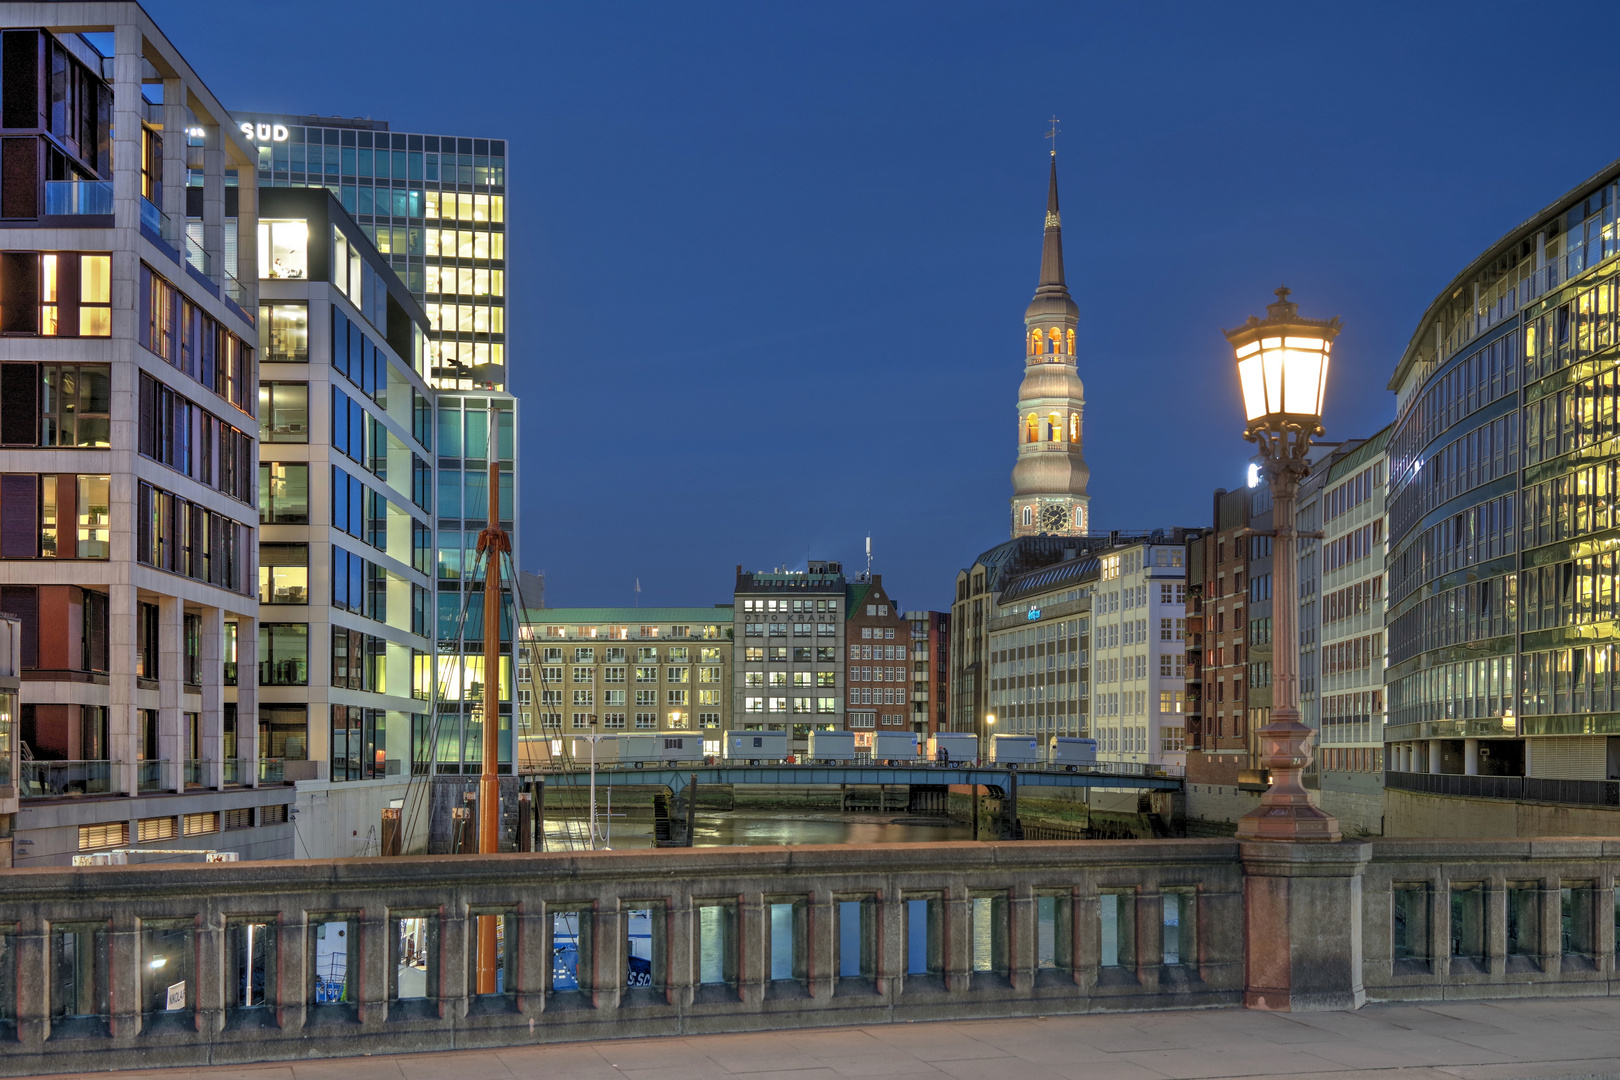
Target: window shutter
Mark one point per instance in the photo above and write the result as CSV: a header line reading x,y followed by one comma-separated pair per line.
x,y
19,516
19,404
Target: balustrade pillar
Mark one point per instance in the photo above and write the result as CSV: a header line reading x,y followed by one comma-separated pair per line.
x,y
889,944
533,975
1085,937
211,982
1023,917
607,966
1550,932
1303,916
124,979
753,949
680,930
1149,937
456,939
957,907
821,944
376,954
33,988
292,988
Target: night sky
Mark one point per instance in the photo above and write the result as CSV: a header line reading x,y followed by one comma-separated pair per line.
x,y
770,261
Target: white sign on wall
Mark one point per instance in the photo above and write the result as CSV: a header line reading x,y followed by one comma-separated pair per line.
x,y
264,132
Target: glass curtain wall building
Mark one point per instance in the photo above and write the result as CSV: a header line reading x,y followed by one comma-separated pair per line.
x,y
435,207
1502,477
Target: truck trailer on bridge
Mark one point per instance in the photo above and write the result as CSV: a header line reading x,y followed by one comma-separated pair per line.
x,y
895,747
1069,752
831,746
1015,750
637,750
756,746
958,748
681,748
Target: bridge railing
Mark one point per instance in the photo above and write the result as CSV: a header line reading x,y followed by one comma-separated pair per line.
x,y
109,967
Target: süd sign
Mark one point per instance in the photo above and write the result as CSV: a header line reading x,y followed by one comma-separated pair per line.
x,y
264,132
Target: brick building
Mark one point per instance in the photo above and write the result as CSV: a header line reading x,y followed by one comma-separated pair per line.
x,y
878,670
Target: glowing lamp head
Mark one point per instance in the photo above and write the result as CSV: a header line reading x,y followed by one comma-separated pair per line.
x,y
1282,363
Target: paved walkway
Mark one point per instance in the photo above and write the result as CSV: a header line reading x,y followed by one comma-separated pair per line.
x,y
1516,1040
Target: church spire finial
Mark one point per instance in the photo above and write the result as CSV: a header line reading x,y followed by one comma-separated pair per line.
x,y
1052,242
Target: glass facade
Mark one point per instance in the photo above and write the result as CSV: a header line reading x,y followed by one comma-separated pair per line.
x,y
1502,474
435,207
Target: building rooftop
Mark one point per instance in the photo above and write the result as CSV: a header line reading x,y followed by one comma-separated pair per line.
x,y
719,613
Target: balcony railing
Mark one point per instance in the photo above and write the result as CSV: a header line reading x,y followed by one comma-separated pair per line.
x,y
73,198
240,296
198,258
1518,788
237,772
271,770
59,779
194,772
149,776
157,221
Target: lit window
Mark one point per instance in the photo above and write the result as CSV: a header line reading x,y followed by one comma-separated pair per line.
x,y
95,295
284,249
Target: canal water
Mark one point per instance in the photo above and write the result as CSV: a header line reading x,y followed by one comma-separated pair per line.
x,y
754,828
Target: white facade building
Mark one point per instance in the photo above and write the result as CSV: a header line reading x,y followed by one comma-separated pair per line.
x,y
1138,655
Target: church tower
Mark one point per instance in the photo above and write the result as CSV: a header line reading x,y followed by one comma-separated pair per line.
x,y
1049,480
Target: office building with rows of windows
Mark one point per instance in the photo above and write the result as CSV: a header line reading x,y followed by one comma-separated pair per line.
x,y
1341,628
128,393
434,206
790,626
1503,702
346,484
1040,652
605,671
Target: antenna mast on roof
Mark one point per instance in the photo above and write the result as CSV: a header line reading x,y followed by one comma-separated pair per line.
x,y
868,558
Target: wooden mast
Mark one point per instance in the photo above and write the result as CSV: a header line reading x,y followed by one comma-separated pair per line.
x,y
494,544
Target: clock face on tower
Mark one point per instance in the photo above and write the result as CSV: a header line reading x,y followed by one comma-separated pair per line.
x,y
1053,518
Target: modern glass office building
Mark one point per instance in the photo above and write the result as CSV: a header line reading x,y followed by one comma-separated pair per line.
x,y
1502,697
435,206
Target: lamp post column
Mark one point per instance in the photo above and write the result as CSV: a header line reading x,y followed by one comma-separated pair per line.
x,y
1286,810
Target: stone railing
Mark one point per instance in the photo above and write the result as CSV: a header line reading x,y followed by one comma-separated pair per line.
x,y
110,967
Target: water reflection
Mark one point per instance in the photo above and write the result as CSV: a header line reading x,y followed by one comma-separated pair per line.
x,y
768,828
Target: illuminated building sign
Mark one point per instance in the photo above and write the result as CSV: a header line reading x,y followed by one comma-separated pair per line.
x,y
264,132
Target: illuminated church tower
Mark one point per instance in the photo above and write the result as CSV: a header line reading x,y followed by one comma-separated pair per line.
x,y
1049,480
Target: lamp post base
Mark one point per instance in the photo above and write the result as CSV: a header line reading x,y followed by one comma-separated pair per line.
x,y
1297,821
1286,810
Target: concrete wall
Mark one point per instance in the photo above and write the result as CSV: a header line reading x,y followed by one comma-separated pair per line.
x,y
1217,808
1356,799
1409,813
343,820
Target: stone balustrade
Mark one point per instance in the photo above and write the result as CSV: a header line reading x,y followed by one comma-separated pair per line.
x,y
124,966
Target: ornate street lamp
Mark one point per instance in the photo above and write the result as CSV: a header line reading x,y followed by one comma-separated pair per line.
x,y
1282,363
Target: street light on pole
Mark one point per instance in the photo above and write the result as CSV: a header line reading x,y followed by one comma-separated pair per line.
x,y
1282,363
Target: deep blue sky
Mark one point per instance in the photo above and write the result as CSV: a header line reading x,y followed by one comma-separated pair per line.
x,y
770,261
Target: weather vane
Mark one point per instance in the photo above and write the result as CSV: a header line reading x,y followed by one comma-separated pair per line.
x,y
1053,134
